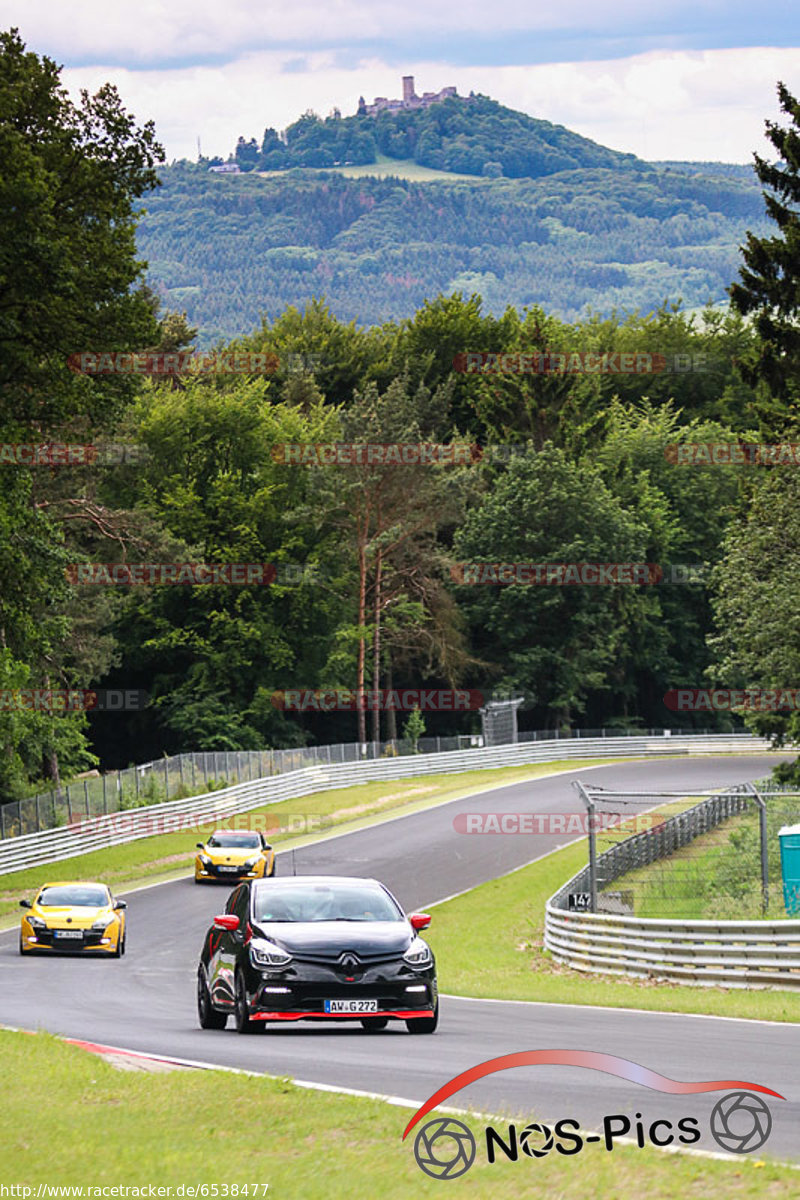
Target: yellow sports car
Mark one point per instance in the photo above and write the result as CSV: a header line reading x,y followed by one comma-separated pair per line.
x,y
73,916
233,855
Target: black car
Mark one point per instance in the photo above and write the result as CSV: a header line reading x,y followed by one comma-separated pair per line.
x,y
316,947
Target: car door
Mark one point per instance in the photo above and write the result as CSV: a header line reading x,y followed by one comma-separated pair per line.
x,y
222,955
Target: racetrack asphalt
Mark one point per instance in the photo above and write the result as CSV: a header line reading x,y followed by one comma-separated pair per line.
x,y
146,1001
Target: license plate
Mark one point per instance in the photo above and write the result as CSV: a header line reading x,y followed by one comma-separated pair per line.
x,y
68,933
351,1006
230,870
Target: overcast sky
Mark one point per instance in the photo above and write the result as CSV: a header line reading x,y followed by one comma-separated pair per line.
x,y
694,80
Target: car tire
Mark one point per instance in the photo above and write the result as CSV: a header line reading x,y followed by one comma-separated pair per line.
x,y
207,1015
374,1024
118,950
424,1024
241,1014
21,947
124,940
274,870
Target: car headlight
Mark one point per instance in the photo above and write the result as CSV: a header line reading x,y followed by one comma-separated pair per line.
x,y
205,860
103,923
266,954
418,953
251,862
36,923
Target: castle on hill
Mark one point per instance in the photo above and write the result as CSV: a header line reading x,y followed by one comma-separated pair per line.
x,y
410,100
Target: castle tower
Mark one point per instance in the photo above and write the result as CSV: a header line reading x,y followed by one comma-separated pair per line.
x,y
408,88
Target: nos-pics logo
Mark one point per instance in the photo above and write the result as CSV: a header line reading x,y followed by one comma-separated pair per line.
x,y
445,1148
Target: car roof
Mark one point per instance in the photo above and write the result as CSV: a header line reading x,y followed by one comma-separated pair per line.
x,y
321,879
74,883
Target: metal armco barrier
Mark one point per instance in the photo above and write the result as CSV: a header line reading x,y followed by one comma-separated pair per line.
x,y
53,845
744,954
728,953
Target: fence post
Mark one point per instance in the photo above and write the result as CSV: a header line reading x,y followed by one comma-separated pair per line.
x,y
762,829
166,778
105,797
590,810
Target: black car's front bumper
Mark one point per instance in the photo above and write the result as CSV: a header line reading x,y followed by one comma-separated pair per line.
x,y
300,993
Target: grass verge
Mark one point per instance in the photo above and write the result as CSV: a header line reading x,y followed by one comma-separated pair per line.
x,y
171,855
488,943
106,1127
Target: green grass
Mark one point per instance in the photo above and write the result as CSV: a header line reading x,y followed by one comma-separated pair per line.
x,y
488,943
70,1118
171,855
715,877
402,168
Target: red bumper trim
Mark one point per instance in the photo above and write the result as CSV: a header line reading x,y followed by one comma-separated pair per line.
x,y
401,1014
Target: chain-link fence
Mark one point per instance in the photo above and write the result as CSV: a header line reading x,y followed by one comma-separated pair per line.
x,y
183,775
711,857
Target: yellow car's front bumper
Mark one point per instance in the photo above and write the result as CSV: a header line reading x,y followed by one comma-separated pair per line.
x,y
56,938
224,871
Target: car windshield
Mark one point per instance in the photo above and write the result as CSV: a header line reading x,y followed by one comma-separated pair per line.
x,y
234,841
79,895
321,902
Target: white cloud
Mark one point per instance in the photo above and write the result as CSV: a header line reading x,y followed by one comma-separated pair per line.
x,y
145,32
691,105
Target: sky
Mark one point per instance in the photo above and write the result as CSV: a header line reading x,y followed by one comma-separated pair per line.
x,y
691,79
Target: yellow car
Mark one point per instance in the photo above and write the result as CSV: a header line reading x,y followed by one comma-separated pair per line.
x,y
234,855
73,916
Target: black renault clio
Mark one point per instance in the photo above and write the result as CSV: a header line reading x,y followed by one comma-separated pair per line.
x,y
316,947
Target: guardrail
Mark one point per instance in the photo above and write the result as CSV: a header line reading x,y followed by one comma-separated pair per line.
x,y
751,954
91,833
179,776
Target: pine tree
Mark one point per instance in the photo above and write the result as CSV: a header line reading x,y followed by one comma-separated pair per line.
x,y
770,279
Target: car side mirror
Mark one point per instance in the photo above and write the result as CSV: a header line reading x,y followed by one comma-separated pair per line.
x,y
120,904
25,904
200,846
227,921
419,921
266,846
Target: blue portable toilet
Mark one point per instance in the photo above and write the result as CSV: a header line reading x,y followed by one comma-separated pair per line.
x,y
789,838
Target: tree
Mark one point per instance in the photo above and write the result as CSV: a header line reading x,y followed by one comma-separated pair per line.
x,y
757,640
559,643
68,264
770,278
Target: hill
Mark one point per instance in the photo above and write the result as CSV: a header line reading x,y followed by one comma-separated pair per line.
x,y
472,135
227,249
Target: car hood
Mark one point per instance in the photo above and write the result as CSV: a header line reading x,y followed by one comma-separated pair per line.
x,y
329,939
80,918
224,854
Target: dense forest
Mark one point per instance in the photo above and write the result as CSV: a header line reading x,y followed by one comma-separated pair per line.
x,y
600,239
367,590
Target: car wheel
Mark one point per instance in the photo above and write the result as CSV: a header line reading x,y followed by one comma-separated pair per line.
x,y
125,940
424,1024
274,870
241,1013
373,1024
118,949
21,947
207,1015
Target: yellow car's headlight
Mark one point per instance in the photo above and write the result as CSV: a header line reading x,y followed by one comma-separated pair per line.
x,y
102,923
